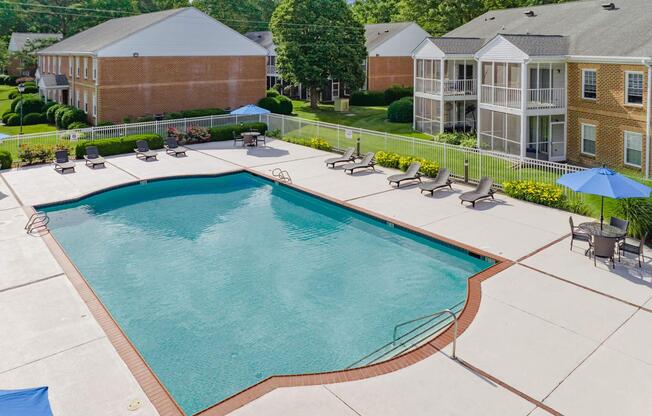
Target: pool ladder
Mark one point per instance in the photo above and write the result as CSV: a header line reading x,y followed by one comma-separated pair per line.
x,y
38,220
282,175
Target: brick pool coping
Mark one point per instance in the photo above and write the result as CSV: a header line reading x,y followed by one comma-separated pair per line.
x,y
163,401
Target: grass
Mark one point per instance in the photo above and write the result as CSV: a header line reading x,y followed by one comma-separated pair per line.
x,y
5,102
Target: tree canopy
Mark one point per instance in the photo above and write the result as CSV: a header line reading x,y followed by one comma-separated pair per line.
x,y
318,39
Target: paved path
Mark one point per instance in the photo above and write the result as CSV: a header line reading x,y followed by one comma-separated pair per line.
x,y
552,327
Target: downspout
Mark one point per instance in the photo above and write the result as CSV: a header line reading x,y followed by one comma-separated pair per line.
x,y
647,118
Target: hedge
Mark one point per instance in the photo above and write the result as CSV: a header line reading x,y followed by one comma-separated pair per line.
x,y
396,161
33,118
5,159
401,111
272,93
72,115
538,192
13,120
116,146
7,115
78,125
49,114
396,92
202,112
6,80
223,133
368,98
285,105
31,104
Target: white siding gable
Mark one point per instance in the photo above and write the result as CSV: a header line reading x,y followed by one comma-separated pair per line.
x,y
500,49
188,33
428,50
401,44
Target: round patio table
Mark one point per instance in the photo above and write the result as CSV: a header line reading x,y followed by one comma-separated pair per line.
x,y
250,138
608,231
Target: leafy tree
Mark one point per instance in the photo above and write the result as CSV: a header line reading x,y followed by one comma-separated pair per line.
x,y
4,56
317,39
27,58
242,15
375,11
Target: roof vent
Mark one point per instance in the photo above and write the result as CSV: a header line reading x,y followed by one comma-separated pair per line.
x,y
529,13
608,6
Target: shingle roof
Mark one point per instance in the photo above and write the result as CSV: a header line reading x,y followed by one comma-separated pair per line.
x,y
540,45
588,28
379,33
97,37
52,80
263,38
19,39
458,46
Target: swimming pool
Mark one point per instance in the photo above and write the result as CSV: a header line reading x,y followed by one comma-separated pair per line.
x,y
221,282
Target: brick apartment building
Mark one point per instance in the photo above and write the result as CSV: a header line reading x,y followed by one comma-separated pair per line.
x,y
389,61
562,82
153,63
17,43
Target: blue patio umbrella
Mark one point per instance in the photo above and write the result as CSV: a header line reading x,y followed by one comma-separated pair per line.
x,y
250,110
604,182
25,402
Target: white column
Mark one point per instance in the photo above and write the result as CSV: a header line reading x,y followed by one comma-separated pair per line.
x,y
414,89
441,103
478,90
524,99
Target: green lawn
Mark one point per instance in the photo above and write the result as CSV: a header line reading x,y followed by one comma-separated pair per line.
x,y
370,118
5,102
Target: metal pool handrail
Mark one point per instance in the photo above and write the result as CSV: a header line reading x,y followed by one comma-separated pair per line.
x,y
433,315
39,219
408,340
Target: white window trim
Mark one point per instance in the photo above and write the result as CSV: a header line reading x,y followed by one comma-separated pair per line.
x,y
70,65
85,68
625,149
94,105
94,69
595,140
78,69
627,74
584,71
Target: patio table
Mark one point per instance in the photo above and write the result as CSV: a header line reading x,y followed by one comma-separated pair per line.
x,y
606,230
250,138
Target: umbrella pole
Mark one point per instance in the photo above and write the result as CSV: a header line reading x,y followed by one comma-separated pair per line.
x,y
601,211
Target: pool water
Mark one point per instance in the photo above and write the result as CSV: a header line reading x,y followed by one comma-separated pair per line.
x,y
221,282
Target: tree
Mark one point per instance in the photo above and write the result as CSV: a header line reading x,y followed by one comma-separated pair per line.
x,y
375,11
27,58
4,56
241,15
318,39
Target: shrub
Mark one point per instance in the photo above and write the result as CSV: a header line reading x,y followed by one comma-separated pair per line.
x,y
269,103
30,89
538,192
389,160
72,115
5,159
58,114
33,118
144,119
126,120
6,116
78,125
285,105
13,120
202,112
401,111
105,123
449,138
6,80
31,155
31,104
272,93
638,211
395,161
198,134
396,92
29,84
172,116
226,132
119,145
368,98
315,143
13,94
469,141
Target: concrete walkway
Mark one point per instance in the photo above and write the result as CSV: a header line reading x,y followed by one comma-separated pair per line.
x,y
552,327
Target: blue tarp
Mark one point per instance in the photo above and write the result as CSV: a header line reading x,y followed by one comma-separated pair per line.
x,y
250,110
25,402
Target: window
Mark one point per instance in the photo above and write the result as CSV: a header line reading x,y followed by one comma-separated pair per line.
x,y
634,88
94,69
589,90
633,148
85,102
85,68
77,66
78,103
94,105
70,66
588,139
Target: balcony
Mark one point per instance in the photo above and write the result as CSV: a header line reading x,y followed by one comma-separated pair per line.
x,y
428,85
457,87
271,70
537,98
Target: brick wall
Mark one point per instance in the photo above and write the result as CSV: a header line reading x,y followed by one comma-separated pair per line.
x,y
149,85
609,113
385,71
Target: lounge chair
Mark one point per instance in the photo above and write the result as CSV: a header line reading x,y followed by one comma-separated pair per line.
x,y
578,234
93,157
625,247
482,191
62,162
441,181
366,163
346,157
143,151
603,247
173,148
411,174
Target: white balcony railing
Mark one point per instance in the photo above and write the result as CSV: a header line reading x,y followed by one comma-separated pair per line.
x,y
543,98
428,85
501,96
460,87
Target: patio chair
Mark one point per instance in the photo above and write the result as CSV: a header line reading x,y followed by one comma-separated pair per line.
x,y
346,157
625,247
61,161
603,247
411,174
482,191
143,151
442,180
261,138
237,138
578,234
620,223
366,163
172,147
93,158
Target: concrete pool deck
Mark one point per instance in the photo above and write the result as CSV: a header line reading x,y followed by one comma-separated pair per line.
x,y
552,327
